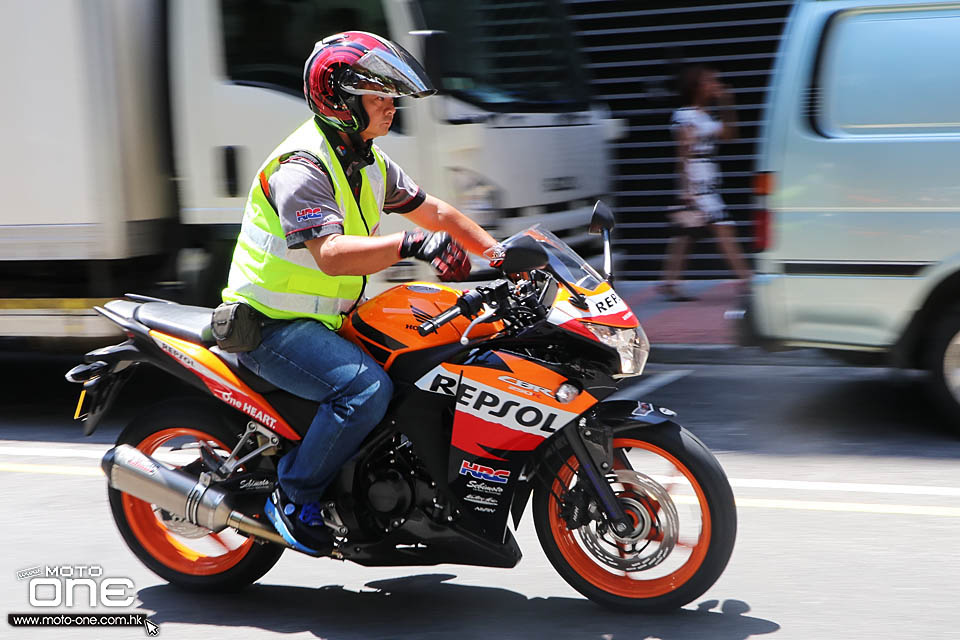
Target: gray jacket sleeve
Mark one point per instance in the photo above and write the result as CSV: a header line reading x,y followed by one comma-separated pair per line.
x,y
402,193
305,201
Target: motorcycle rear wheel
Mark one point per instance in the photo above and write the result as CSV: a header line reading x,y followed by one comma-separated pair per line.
x,y
685,523
182,554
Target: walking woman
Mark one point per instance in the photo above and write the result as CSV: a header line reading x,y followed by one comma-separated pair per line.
x,y
700,206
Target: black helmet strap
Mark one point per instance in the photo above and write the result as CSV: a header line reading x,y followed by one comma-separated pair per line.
x,y
362,152
354,156
354,104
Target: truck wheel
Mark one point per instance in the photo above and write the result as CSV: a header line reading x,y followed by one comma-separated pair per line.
x,y
943,363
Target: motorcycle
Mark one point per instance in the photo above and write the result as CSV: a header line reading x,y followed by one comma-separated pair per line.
x,y
511,389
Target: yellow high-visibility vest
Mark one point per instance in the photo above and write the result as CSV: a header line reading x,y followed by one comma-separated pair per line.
x,y
286,283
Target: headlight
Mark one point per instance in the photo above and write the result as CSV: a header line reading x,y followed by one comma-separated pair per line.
x,y
631,344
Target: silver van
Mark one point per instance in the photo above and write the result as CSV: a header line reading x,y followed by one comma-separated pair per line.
x,y
859,173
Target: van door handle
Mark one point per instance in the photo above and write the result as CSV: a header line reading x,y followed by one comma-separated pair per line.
x,y
230,179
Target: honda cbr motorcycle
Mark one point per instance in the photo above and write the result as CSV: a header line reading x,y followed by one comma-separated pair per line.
x,y
514,389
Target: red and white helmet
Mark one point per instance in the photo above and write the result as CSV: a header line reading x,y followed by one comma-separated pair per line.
x,y
347,65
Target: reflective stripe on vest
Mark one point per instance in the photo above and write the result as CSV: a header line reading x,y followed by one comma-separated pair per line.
x,y
303,304
274,245
286,283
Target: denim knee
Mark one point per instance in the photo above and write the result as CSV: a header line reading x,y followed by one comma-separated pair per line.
x,y
374,388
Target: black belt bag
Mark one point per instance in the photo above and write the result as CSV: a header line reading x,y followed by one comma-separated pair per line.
x,y
236,326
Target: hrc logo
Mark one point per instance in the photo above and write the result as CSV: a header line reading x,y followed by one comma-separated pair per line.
x,y
500,476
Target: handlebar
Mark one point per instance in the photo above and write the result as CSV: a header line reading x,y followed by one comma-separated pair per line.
x,y
434,323
497,294
468,304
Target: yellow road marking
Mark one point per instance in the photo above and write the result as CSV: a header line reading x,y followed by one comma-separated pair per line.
x,y
53,303
56,469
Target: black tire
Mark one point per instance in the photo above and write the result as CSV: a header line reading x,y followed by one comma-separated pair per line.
x,y
706,472
938,350
209,420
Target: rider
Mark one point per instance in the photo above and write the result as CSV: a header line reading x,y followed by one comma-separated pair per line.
x,y
307,243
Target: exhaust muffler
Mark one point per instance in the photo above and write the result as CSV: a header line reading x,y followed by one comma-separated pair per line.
x,y
188,497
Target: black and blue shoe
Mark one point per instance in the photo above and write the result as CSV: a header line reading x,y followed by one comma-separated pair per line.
x,y
301,526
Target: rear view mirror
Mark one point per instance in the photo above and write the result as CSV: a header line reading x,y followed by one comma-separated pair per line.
x,y
602,222
602,218
524,254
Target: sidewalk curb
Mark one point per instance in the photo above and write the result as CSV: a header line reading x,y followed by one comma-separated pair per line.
x,y
734,355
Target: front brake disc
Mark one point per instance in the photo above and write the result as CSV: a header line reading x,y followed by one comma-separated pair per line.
x,y
637,550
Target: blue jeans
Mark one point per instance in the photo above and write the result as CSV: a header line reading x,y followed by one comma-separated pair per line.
x,y
309,360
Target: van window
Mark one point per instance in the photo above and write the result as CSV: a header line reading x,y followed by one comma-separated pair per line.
x,y
890,72
267,41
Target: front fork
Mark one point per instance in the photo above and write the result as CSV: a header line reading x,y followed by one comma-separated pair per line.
x,y
592,444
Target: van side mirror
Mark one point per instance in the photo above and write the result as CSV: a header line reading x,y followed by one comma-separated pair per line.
x,y
433,54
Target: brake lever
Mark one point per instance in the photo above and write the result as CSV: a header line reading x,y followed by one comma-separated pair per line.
x,y
484,317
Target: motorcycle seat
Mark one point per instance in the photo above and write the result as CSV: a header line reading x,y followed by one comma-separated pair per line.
x,y
193,324
178,320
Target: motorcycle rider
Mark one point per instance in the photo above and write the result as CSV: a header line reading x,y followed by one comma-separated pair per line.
x,y
308,241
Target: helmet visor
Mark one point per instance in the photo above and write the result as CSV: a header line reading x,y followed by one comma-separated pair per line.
x,y
389,74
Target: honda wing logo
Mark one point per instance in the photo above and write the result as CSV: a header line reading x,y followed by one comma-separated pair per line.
x,y
420,314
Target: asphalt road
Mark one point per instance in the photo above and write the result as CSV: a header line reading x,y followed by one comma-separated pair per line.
x,y
847,493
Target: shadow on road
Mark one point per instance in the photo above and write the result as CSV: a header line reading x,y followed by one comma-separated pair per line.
x,y
813,411
424,605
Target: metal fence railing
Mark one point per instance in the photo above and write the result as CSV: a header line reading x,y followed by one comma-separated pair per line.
x,y
631,51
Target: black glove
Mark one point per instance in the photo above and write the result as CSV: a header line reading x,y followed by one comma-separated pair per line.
x,y
443,253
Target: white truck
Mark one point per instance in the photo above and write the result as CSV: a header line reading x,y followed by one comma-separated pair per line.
x,y
133,128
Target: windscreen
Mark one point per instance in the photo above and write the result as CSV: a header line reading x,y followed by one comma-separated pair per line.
x,y
563,259
517,56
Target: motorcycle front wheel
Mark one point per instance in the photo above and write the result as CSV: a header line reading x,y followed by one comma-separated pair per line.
x,y
682,508
189,556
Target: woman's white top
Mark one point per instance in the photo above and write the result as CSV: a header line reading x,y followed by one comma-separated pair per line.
x,y
703,176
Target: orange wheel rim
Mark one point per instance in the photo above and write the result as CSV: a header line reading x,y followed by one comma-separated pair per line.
x,y
160,541
621,584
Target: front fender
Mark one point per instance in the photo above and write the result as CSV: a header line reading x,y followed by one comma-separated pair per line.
x,y
624,409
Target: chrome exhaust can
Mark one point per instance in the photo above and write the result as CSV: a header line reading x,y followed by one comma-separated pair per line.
x,y
188,497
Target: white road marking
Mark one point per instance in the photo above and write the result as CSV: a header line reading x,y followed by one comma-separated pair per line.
x,y
851,487
845,507
656,381
850,507
88,451
807,485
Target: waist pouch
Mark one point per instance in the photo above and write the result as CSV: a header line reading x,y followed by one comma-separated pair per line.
x,y
236,327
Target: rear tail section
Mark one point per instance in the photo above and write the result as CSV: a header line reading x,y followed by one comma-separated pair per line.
x,y
176,339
